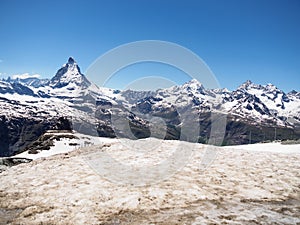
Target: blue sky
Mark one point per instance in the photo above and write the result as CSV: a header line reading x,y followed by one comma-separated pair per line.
x,y
238,40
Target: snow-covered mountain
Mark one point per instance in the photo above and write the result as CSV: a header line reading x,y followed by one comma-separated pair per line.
x,y
69,75
262,103
15,88
31,106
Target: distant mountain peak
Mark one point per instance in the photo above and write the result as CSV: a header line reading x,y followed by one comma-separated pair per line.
x,y
249,85
193,81
194,84
246,85
271,87
293,92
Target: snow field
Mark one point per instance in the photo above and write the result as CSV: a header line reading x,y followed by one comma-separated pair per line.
x,y
239,187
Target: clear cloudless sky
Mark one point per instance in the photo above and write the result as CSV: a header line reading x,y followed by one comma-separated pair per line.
x,y
238,39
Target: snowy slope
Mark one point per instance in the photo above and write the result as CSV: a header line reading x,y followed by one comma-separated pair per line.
x,y
239,187
268,147
65,145
263,103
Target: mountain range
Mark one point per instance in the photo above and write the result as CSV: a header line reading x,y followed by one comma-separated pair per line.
x,y
69,101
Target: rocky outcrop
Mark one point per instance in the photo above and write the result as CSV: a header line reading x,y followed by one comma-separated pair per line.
x,y
18,133
9,162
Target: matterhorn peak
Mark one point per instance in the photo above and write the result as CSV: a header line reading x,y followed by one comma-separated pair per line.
x,y
72,65
71,60
69,73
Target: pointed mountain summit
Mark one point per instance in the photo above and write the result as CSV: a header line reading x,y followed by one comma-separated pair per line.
x,y
71,61
248,85
67,74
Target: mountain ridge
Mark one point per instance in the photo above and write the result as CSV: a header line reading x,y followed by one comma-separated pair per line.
x,y
251,108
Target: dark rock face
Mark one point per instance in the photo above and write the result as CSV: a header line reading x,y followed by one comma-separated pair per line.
x,y
71,60
242,132
9,162
117,121
22,90
136,122
103,103
17,133
13,161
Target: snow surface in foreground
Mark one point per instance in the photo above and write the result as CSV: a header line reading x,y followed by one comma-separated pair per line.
x,y
239,187
66,145
268,147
